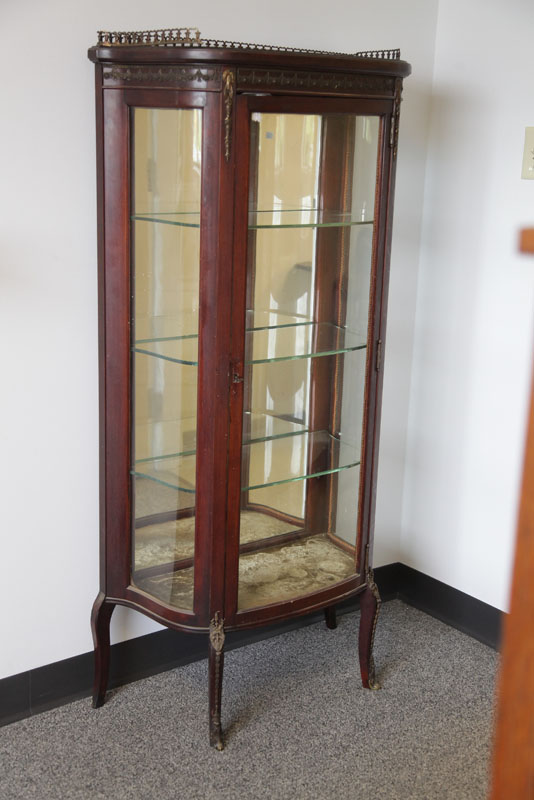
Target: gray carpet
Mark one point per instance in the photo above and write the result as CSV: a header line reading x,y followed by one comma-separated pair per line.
x,y
298,724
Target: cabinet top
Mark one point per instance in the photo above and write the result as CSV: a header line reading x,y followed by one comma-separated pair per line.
x,y
179,45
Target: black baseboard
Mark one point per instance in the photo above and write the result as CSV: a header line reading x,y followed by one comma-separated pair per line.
x,y
457,609
64,681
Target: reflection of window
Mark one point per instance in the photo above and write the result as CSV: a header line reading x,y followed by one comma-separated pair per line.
x,y
300,411
277,208
271,336
279,141
298,455
307,206
197,140
267,459
308,143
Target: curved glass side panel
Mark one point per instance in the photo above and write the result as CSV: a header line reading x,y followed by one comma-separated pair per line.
x,y
309,263
166,180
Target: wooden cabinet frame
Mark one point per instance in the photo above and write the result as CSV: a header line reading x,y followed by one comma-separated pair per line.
x,y
229,83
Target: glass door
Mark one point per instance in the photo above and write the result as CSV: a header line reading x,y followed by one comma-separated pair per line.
x,y
312,192
166,157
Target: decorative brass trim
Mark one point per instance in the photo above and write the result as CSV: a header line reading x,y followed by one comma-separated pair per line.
x,y
390,55
228,94
312,81
217,634
370,581
190,37
176,75
395,118
373,683
164,37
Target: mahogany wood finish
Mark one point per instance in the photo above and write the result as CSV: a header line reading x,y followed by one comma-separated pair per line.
x,y
100,619
513,759
230,84
526,241
330,617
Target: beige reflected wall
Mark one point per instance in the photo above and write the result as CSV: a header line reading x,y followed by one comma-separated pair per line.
x,y
288,154
167,180
288,173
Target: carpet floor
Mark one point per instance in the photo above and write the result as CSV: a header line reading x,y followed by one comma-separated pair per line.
x,y
298,724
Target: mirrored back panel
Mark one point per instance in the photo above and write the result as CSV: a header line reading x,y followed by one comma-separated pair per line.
x,y
312,191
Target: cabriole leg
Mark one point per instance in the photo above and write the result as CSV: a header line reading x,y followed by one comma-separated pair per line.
x,y
100,619
216,663
369,610
330,617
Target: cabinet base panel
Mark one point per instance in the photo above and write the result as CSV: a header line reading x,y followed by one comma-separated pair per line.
x,y
292,570
270,575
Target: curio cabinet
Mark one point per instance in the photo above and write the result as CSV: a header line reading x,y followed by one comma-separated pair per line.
x,y
245,200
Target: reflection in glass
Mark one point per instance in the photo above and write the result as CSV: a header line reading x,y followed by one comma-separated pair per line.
x,y
310,243
166,180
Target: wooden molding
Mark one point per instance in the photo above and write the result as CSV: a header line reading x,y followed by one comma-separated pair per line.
x,y
513,760
526,240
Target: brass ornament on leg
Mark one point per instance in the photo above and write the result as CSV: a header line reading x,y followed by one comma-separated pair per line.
x,y
369,576
217,634
370,603
216,662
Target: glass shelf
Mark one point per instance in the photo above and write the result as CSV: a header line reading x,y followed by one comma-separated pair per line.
x,y
178,349
304,218
295,338
265,427
166,439
185,325
306,456
289,343
178,438
162,328
184,219
270,218
174,471
270,461
264,319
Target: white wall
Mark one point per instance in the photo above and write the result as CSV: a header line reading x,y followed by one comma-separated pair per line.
x,y
473,344
48,317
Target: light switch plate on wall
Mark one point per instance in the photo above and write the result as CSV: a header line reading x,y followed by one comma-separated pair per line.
x,y
527,170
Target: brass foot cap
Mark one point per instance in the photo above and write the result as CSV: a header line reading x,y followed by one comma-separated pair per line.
x,y
216,740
